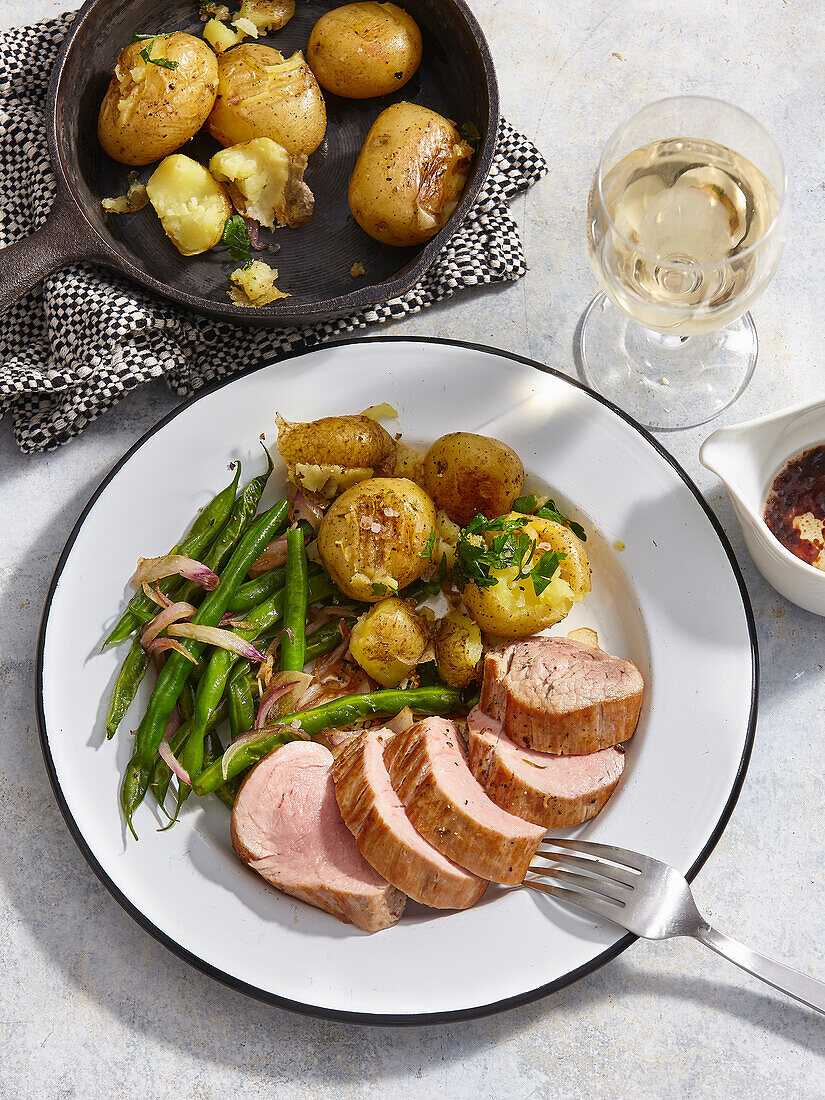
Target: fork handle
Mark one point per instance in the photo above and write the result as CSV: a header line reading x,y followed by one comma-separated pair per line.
x,y
810,991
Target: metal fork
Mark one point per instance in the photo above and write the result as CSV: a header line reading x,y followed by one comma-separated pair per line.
x,y
652,900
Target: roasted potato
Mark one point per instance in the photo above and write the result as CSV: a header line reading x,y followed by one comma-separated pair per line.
x,y
154,106
265,182
510,608
192,207
267,15
466,474
409,175
372,538
364,50
329,455
457,649
389,640
261,94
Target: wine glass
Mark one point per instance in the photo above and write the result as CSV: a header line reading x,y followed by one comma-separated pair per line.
x,y
685,227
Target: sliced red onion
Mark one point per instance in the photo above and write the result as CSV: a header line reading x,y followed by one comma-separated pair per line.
x,y
317,694
403,721
281,685
173,724
171,614
232,618
155,595
159,644
166,754
253,228
338,737
324,666
152,569
304,507
324,614
213,635
272,648
272,558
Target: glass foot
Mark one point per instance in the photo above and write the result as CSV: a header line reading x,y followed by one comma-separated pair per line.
x,y
664,381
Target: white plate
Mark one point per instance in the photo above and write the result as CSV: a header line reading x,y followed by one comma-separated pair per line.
x,y
673,600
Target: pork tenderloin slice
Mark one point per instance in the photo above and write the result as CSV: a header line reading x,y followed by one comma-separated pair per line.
x,y
385,836
286,825
560,696
556,792
428,769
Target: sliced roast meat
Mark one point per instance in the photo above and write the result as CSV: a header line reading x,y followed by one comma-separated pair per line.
x,y
560,696
385,836
286,825
555,792
428,769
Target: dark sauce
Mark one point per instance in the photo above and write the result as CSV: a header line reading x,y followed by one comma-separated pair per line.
x,y
798,489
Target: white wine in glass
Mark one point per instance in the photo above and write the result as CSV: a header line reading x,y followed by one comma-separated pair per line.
x,y
684,233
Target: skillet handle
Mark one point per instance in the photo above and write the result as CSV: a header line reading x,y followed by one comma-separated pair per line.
x,y
62,239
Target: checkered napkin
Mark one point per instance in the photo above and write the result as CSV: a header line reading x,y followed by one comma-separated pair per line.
x,y
73,347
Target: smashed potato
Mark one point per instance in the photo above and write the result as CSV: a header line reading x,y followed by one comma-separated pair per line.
x,y
466,474
263,94
511,608
373,539
160,95
332,454
192,207
389,640
265,182
457,649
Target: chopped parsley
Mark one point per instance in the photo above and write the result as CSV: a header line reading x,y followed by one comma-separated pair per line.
x,y
146,52
428,674
470,133
510,547
531,505
235,237
427,552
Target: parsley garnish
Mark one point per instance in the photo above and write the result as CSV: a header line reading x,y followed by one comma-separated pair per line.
x,y
469,131
235,237
146,53
476,559
542,572
529,505
428,674
379,589
427,552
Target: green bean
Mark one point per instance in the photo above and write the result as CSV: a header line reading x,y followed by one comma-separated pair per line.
x,y
241,703
186,702
254,592
131,673
340,712
214,680
324,640
162,773
294,640
175,671
200,535
243,514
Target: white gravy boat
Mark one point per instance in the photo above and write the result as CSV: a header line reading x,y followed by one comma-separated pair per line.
x,y
747,457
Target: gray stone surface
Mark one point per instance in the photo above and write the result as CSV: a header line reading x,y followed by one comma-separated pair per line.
x,y
92,1007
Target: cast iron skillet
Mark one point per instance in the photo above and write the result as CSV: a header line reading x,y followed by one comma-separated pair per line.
x,y
456,78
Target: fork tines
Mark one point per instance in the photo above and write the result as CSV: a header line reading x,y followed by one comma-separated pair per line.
x,y
603,888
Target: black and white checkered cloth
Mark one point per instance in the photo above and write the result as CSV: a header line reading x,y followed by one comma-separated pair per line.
x,y
73,347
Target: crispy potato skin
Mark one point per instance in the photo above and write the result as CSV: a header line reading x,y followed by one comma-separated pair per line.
x,y
466,474
261,95
364,50
347,441
409,175
512,610
389,640
143,120
458,649
356,556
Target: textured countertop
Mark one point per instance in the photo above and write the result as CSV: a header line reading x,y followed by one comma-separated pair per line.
x,y
92,1007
